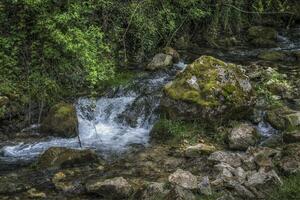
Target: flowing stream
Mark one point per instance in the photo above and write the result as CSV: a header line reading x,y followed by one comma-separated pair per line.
x,y
124,117
110,124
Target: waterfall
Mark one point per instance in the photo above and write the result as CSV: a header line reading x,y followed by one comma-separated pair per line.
x,y
109,124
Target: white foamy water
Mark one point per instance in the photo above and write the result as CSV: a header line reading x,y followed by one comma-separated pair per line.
x,y
109,124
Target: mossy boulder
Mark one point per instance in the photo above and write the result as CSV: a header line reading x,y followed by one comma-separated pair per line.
x,y
160,61
262,36
284,119
61,121
208,89
57,157
272,56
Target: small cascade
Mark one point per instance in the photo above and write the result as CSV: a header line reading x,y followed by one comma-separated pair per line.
x,y
110,124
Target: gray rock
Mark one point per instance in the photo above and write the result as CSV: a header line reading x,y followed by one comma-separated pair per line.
x,y
115,188
242,136
154,191
160,61
180,193
198,150
184,179
233,159
205,187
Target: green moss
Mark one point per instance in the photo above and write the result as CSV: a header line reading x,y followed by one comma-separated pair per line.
x,y
272,56
289,190
61,120
176,131
207,70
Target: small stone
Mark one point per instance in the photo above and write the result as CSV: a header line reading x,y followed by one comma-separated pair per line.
x,y
233,159
180,193
34,194
154,191
198,150
115,188
184,179
243,191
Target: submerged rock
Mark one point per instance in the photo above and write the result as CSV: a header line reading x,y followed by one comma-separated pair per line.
x,y
61,121
208,89
242,136
57,157
115,188
184,179
160,61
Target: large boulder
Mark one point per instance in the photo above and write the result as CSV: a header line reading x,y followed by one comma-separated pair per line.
x,y
115,188
242,136
61,121
57,157
208,89
160,61
262,36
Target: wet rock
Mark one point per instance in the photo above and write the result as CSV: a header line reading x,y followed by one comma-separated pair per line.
x,y
208,89
57,157
154,191
180,193
172,52
115,188
198,150
61,183
242,136
184,179
233,159
272,56
160,61
61,121
262,36
35,194
205,187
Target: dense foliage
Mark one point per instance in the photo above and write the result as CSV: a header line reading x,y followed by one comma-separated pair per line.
x,y
51,49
